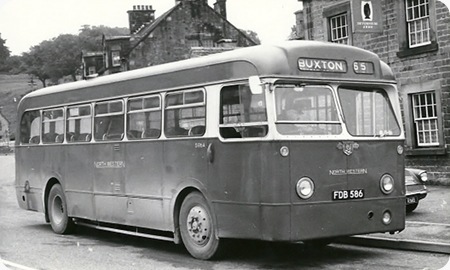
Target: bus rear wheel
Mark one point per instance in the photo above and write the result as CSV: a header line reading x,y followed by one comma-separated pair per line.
x,y
57,211
197,227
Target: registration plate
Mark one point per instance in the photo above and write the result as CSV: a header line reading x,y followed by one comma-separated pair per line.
x,y
411,200
350,194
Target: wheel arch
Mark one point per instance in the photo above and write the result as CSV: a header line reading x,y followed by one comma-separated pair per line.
x,y
50,183
176,209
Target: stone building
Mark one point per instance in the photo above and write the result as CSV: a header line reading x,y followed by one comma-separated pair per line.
x,y
413,38
190,28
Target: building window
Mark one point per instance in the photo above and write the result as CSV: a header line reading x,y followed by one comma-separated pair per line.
x,y
416,27
115,56
193,43
418,22
338,23
425,119
339,29
91,70
424,128
207,43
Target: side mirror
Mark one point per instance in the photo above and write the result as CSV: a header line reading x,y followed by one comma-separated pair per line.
x,y
256,87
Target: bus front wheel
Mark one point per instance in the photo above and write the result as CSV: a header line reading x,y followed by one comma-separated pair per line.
x,y
57,211
197,227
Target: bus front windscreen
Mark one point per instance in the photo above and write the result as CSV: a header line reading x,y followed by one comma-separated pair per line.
x,y
306,110
368,112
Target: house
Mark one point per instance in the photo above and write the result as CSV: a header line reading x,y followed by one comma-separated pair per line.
x,y
413,38
190,28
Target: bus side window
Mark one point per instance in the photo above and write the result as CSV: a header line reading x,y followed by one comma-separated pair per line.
x,y
242,115
185,113
79,124
144,117
109,121
52,126
30,127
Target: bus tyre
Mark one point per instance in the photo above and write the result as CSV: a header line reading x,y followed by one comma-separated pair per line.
x,y
197,227
57,211
411,207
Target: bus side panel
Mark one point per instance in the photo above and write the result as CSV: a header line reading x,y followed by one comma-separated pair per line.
x,y
144,184
79,178
110,201
28,163
185,164
275,192
234,181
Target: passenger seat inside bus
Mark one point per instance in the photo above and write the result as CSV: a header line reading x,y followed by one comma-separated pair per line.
x,y
151,133
197,131
229,133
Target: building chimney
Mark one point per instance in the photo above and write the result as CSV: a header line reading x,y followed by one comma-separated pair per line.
x,y
221,7
140,16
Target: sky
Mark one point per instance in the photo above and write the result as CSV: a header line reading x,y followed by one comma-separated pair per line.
x,y
26,23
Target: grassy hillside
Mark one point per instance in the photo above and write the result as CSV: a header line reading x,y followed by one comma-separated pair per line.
x,y
12,89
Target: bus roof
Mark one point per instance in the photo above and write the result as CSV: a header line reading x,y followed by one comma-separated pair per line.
x,y
291,59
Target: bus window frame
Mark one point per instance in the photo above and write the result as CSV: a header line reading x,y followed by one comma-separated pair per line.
x,y
44,121
89,136
103,115
239,127
129,112
371,89
179,107
337,106
39,121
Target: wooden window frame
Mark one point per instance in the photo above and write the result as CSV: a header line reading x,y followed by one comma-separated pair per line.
x,y
403,34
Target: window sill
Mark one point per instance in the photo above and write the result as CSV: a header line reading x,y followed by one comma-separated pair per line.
x,y
438,151
405,52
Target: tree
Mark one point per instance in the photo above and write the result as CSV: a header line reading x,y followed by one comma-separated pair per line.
x,y
253,36
61,56
65,58
4,55
91,37
35,62
15,65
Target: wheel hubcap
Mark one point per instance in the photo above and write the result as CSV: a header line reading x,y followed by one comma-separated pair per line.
x,y
198,225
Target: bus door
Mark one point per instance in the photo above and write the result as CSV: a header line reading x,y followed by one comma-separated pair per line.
x,y
109,162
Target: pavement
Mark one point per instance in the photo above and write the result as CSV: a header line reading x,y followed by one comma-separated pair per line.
x,y
427,230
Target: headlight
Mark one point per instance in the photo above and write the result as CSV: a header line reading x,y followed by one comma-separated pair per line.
x,y
305,188
423,176
387,184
